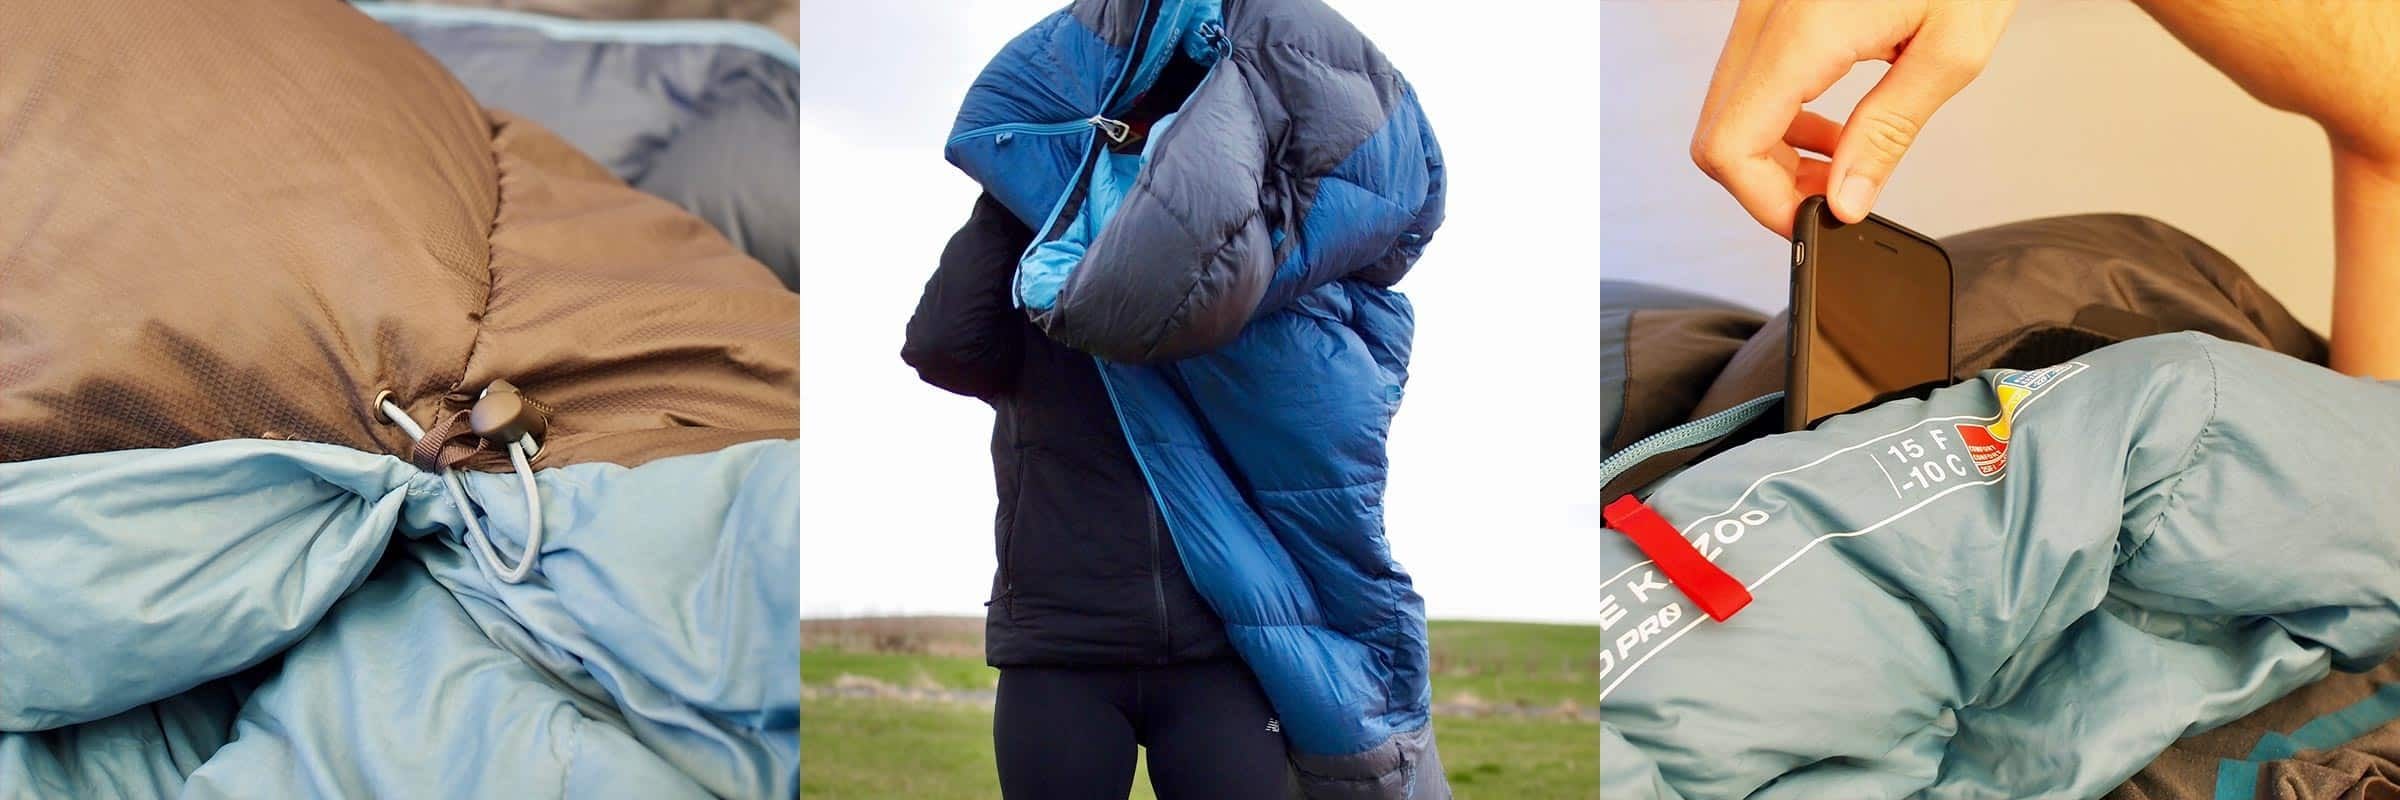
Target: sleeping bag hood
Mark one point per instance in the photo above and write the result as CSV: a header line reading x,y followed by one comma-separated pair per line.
x,y
1188,166
267,271
1222,197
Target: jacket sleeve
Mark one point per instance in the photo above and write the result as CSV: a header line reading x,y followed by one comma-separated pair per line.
x,y
967,336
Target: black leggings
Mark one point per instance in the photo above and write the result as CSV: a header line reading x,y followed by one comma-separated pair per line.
x,y
1070,733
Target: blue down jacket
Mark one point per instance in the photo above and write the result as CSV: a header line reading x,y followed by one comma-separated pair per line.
x,y
1223,196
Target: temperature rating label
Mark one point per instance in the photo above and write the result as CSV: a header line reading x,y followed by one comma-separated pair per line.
x,y
1925,460
1641,614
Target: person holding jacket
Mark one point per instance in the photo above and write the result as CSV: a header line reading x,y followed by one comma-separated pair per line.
x,y
1101,640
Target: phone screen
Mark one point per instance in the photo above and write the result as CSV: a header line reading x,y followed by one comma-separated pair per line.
x,y
1874,300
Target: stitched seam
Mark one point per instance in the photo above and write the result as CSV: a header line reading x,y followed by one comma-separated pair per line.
x,y
1320,61
490,255
574,753
2190,455
1142,184
1364,189
1191,290
1390,617
1317,489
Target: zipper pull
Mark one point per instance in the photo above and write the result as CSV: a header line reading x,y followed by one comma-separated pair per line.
x,y
1114,130
1212,36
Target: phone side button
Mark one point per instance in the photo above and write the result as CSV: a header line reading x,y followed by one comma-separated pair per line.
x,y
1799,253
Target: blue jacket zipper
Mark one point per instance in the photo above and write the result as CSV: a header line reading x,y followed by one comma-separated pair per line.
x,y
1114,130
1091,151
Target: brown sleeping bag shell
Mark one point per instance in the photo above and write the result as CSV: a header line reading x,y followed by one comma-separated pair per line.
x,y
223,219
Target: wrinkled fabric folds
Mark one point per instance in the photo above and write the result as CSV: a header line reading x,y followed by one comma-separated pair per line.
x,y
1232,272
2027,585
662,628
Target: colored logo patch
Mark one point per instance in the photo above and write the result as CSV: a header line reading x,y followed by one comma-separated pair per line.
x,y
2012,389
1989,451
1988,444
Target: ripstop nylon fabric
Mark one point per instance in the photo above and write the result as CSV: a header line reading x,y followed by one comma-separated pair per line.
x,y
218,577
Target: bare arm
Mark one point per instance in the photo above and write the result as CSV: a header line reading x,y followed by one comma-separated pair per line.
x,y
2338,64
2366,267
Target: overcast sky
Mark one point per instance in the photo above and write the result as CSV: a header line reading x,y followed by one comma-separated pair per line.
x,y
1492,504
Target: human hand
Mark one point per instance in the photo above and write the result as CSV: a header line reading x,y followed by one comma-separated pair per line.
x,y
1783,53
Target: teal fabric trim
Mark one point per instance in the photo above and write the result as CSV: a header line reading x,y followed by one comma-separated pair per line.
x,y
2340,727
2239,779
661,31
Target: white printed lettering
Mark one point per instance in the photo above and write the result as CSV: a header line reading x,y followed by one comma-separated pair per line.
x,y
1730,530
1700,542
1641,588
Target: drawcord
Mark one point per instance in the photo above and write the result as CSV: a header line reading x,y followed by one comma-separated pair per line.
x,y
476,538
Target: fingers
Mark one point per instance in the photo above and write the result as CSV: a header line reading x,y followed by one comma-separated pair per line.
x,y
1814,133
1940,60
1732,62
1810,177
1743,145
1748,18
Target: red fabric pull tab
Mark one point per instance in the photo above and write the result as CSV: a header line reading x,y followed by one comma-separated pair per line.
x,y
1717,594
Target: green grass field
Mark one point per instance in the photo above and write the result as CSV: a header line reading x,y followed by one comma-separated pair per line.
x,y
1498,688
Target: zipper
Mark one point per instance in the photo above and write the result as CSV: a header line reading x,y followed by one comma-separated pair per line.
x,y
1212,34
1091,151
1115,131
1711,427
1008,545
1158,580
1158,583
1103,126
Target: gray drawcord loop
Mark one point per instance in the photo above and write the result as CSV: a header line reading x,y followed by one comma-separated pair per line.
x,y
480,542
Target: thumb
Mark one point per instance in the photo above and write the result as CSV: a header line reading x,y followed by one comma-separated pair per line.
x,y
1886,123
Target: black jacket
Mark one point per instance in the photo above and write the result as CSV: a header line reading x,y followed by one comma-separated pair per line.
x,y
1088,574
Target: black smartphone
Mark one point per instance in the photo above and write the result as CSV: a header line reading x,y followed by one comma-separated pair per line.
x,y
1870,313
